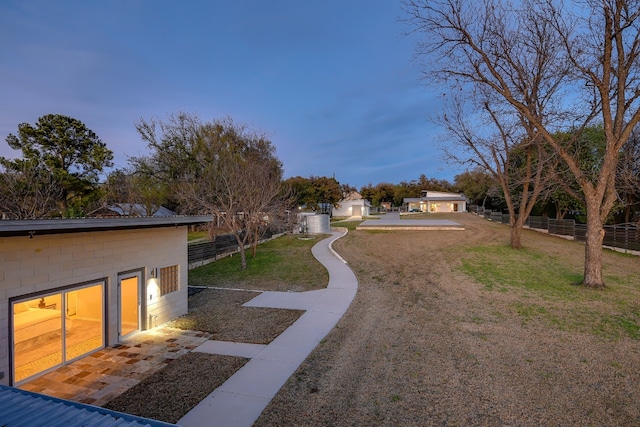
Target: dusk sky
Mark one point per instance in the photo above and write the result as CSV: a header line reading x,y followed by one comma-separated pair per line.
x,y
331,82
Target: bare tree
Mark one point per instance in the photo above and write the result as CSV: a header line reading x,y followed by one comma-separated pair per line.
x,y
628,180
514,158
135,192
28,191
239,181
219,167
592,48
171,161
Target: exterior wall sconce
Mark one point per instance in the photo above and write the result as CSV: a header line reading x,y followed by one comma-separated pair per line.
x,y
154,272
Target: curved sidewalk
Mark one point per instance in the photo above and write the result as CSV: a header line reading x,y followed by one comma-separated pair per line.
x,y
242,398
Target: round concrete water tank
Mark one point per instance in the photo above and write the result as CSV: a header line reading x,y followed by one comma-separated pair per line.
x,y
318,224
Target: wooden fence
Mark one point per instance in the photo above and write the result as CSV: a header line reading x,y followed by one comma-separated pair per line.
x,y
200,253
622,236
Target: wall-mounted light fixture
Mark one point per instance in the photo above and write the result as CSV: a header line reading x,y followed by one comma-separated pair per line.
x,y
154,272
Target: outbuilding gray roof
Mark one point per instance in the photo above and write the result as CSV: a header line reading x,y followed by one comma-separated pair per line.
x,y
34,227
24,408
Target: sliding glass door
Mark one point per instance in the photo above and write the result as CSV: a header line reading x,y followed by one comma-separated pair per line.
x,y
55,328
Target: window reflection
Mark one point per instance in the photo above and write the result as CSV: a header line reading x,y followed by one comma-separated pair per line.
x,y
84,311
37,337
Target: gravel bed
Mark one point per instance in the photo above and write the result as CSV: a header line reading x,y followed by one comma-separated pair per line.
x,y
171,392
220,312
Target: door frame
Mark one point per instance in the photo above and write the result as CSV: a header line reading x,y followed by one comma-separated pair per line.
x,y
139,273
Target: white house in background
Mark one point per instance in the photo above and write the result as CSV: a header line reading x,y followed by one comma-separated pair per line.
x,y
70,287
353,204
436,201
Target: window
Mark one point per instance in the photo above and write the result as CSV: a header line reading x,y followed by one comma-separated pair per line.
x,y
168,279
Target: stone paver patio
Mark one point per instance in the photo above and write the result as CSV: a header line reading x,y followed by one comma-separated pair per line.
x,y
107,373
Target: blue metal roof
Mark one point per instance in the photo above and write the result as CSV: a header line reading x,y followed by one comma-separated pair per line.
x,y
23,408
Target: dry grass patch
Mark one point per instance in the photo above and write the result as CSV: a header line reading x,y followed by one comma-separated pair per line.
x,y
453,328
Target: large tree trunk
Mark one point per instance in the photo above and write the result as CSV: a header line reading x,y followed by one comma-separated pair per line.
x,y
517,224
241,246
243,258
516,233
593,248
627,211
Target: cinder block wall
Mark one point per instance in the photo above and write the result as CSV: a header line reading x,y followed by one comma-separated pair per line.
x,y
46,262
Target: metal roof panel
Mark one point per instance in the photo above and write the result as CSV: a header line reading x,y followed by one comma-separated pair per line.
x,y
23,408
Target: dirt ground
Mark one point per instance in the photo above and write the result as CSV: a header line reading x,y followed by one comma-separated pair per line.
x,y
422,344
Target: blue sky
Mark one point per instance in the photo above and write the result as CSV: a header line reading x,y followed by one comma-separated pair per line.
x,y
331,82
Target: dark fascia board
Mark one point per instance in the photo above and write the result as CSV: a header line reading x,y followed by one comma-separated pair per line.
x,y
35,227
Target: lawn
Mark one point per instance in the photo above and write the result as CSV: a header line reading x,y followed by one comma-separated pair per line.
x,y
196,235
281,264
349,225
546,288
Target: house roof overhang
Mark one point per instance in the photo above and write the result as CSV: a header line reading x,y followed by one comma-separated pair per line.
x,y
34,227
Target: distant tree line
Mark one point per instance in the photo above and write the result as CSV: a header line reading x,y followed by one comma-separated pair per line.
x,y
62,162
224,168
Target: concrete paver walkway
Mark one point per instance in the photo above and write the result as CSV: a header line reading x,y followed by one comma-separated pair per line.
x,y
243,397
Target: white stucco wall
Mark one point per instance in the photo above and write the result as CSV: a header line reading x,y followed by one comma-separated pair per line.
x,y
345,208
437,206
47,262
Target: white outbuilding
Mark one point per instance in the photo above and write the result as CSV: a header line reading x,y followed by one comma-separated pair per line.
x,y
352,205
436,202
